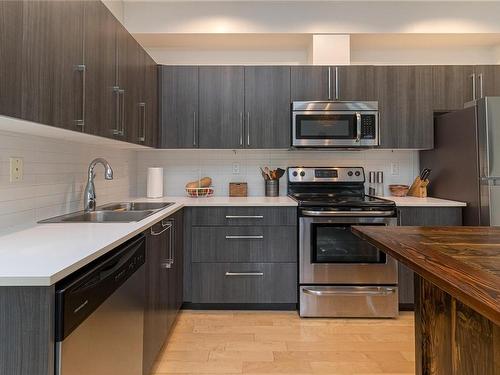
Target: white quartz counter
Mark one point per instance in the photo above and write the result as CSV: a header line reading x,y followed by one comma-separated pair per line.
x,y
46,253
424,202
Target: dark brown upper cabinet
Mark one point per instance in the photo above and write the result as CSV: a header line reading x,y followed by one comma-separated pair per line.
x,y
267,107
52,58
148,105
11,19
354,83
405,96
311,83
452,86
487,80
179,106
221,107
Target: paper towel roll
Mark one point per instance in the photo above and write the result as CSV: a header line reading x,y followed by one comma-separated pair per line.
x,y
155,182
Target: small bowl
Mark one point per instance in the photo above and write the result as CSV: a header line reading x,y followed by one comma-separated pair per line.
x,y
399,190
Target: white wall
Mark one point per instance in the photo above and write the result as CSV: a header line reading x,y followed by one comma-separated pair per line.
x,y
182,166
316,17
55,174
117,8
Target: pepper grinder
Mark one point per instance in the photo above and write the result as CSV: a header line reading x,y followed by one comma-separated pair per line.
x,y
371,183
379,189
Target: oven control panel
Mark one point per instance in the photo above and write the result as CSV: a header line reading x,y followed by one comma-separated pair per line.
x,y
327,174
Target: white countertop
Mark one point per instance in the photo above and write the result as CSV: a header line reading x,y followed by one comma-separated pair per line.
x,y
424,202
43,254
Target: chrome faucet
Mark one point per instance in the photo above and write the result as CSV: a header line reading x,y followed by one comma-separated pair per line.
x,y
89,198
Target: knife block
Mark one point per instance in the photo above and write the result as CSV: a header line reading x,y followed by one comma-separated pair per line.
x,y
418,188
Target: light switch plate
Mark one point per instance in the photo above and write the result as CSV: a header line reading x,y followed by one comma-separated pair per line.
x,y
16,169
395,169
236,168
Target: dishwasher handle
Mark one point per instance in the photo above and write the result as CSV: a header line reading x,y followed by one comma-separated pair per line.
x,y
80,294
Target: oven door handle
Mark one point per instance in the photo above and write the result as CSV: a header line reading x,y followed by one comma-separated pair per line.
x,y
347,213
351,291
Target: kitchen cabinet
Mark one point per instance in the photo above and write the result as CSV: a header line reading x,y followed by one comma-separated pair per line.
x,y
241,255
179,106
405,95
421,216
311,83
221,107
267,106
11,17
355,83
148,105
452,86
487,80
51,84
164,290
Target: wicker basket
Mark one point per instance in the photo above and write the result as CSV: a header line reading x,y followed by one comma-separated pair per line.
x,y
200,192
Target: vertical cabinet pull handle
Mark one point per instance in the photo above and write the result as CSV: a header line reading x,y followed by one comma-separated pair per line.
x,y
142,112
194,128
480,78
81,122
122,131
474,94
337,93
248,128
241,128
329,83
116,130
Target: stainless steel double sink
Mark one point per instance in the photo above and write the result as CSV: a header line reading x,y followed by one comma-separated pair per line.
x,y
123,212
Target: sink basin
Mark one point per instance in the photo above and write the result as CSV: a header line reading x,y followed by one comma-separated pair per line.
x,y
134,206
101,217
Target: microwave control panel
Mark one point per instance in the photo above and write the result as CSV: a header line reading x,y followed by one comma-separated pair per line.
x,y
368,126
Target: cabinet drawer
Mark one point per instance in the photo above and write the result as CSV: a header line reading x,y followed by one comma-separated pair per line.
x,y
244,283
244,244
244,216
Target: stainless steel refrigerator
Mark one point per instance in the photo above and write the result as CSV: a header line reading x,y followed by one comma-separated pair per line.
x,y
465,161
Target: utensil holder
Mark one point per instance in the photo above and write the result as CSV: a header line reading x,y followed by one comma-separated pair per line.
x,y
272,188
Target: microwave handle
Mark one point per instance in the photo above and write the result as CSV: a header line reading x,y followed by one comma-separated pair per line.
x,y
358,127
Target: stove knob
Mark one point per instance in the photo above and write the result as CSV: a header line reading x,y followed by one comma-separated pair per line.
x,y
302,174
358,173
349,173
294,173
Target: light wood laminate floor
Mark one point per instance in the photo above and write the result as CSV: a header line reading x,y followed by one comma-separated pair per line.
x,y
263,342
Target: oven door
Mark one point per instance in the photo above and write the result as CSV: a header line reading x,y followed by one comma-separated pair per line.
x,y
326,129
331,254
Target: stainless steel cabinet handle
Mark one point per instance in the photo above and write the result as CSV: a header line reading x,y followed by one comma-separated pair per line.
x,y
358,127
164,228
81,122
244,237
165,265
116,130
347,213
329,83
244,217
473,78
379,291
194,128
244,273
480,78
122,93
337,93
142,111
248,128
242,126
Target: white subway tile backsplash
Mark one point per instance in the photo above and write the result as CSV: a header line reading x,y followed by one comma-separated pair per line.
x,y
182,166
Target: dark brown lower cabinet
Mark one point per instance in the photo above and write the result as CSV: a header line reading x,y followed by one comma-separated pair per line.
x,y
421,216
164,273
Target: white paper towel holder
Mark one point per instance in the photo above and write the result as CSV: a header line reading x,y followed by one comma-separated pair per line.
x,y
155,182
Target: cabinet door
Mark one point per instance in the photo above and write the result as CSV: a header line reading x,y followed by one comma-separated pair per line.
x,y
51,49
405,98
355,83
176,272
179,106
267,106
487,80
221,106
11,17
422,216
101,100
452,87
311,83
150,129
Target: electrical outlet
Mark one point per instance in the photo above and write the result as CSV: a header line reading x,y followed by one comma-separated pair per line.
x,y
395,169
16,169
236,168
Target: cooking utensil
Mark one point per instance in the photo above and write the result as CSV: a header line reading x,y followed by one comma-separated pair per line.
x,y
264,174
268,172
279,173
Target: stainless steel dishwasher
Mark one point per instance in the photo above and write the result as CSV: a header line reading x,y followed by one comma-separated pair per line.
x,y
100,315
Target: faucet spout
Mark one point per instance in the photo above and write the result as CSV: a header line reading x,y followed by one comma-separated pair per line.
x,y
89,198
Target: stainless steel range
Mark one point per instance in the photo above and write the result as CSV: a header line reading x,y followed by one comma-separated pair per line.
x,y
341,275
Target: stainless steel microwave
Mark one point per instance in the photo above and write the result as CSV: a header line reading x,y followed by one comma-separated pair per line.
x,y
335,124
